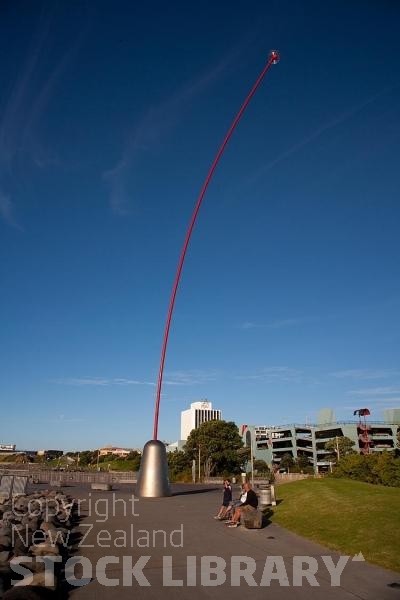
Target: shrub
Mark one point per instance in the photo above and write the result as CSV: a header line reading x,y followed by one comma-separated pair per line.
x,y
381,469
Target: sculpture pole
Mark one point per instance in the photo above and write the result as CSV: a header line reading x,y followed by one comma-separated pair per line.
x,y
150,485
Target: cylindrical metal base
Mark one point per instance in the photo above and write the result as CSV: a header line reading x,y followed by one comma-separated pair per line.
x,y
153,475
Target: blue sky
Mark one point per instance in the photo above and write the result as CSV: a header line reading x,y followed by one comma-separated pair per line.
x,y
111,114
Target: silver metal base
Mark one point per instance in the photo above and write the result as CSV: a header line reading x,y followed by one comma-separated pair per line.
x,y
153,475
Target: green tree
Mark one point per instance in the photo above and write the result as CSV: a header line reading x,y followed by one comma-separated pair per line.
x,y
244,457
340,446
132,455
86,457
260,466
302,462
217,442
378,468
105,458
178,463
286,462
386,469
136,460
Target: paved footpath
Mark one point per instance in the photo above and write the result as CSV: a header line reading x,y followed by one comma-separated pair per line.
x,y
180,550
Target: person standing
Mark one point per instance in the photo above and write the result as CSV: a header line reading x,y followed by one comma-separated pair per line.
x,y
226,500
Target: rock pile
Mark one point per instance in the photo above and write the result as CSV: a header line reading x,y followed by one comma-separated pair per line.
x,y
35,531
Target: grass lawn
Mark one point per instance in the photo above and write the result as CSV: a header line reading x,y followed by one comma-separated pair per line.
x,y
347,516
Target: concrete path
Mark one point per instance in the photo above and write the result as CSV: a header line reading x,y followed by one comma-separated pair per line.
x,y
180,550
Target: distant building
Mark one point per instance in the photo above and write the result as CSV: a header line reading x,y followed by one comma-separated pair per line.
x,y
175,446
50,454
115,451
198,413
270,443
392,415
7,447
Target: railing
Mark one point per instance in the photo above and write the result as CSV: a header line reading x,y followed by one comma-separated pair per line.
x,y
288,477
238,480
67,477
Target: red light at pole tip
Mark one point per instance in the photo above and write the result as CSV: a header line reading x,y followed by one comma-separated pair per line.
x,y
274,56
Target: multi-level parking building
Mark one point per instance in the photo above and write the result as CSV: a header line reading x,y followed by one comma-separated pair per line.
x,y
270,443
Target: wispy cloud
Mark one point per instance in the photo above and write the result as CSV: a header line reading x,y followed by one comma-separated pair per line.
x,y
194,377
341,118
377,391
388,401
278,323
366,374
61,419
278,374
248,325
378,404
149,132
99,381
7,211
12,124
28,99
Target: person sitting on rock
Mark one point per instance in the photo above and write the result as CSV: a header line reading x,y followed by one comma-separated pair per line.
x,y
235,503
249,506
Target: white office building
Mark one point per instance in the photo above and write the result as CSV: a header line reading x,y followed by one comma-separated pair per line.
x,y
198,413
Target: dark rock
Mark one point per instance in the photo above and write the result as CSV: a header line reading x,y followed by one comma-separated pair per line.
x,y
4,556
34,565
5,542
29,593
22,543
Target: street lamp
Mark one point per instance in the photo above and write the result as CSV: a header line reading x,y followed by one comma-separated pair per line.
x,y
252,461
337,449
199,464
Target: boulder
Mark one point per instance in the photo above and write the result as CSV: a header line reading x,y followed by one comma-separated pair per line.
x,y
102,487
29,593
36,580
5,542
253,519
33,565
44,549
4,556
